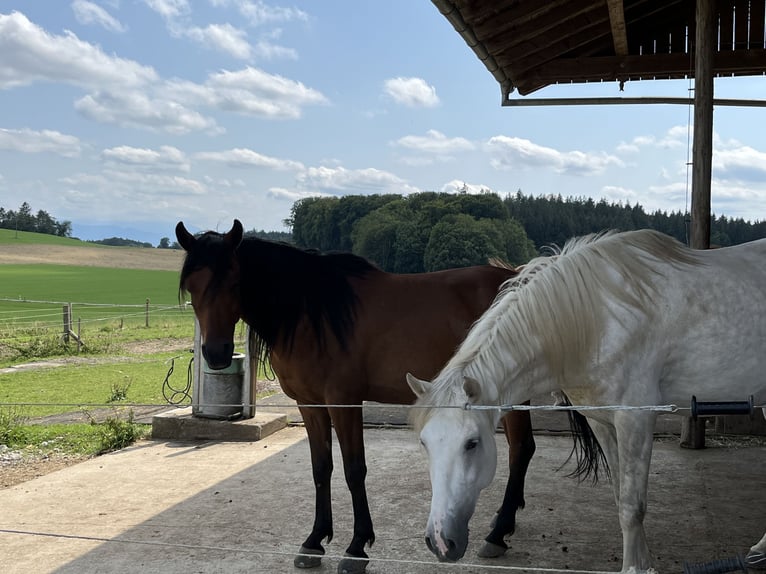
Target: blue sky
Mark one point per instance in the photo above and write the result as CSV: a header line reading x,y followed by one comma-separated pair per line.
x,y
125,116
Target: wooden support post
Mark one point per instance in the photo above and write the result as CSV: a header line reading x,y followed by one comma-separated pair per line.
x,y
693,431
147,312
67,322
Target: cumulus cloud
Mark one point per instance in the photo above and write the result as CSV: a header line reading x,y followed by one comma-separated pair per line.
x,y
31,141
31,54
222,37
136,109
741,163
508,153
459,186
292,195
89,13
411,92
435,142
674,138
166,157
242,157
339,181
169,9
431,148
259,13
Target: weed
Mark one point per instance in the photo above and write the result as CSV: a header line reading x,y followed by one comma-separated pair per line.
x,y
12,422
120,389
115,433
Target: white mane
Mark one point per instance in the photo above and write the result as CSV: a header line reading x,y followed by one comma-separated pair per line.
x,y
556,306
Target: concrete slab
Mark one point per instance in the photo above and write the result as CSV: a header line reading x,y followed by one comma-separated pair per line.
x,y
230,507
180,424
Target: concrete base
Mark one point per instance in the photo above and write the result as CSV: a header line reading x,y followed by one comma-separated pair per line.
x,y
180,424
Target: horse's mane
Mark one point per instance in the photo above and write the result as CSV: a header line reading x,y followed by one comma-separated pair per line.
x,y
280,284
556,306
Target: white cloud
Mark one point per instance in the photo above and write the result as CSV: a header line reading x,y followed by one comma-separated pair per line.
x,y
136,109
673,138
742,163
169,9
259,13
31,141
411,92
166,157
89,13
339,181
517,153
435,142
241,157
222,37
30,54
292,195
255,92
458,186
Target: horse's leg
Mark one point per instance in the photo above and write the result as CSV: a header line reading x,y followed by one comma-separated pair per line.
x,y
607,438
317,421
349,429
634,442
756,558
521,446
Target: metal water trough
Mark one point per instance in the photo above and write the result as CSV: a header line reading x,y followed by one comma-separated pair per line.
x,y
221,390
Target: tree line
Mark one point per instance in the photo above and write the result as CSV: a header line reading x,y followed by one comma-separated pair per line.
x,y
41,222
430,231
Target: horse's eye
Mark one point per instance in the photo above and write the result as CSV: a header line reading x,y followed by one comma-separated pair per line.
x,y
471,444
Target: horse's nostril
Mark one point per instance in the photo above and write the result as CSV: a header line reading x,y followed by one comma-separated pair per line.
x,y
428,543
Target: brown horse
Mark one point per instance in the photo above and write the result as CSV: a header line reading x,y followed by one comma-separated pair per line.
x,y
339,331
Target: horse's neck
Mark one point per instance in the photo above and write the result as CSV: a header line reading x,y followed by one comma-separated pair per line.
x,y
507,380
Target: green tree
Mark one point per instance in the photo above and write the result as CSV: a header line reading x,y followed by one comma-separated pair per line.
x,y
459,241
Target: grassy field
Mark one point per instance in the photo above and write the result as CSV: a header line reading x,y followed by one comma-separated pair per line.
x,y
122,360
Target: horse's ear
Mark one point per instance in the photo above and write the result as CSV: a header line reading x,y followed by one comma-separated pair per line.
x,y
418,386
185,239
234,237
472,389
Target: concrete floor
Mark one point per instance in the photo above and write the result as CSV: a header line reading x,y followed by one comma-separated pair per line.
x,y
229,507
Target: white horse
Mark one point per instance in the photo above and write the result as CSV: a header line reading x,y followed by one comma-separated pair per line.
x,y
630,319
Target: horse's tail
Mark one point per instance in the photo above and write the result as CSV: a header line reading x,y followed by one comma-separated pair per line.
x,y
586,449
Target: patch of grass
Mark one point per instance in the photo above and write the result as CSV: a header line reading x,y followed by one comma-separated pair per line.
x,y
115,433
13,237
70,388
80,439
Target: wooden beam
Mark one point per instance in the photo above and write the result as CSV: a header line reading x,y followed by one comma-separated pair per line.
x,y
619,31
705,47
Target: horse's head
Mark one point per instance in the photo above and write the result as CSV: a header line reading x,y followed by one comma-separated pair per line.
x,y
210,274
460,445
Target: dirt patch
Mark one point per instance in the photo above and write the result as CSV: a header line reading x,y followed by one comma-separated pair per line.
x,y
20,466
114,257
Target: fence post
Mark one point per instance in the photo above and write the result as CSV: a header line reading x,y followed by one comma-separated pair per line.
x,y
67,322
147,311
79,337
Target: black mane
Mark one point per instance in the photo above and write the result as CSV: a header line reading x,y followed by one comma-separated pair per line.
x,y
280,284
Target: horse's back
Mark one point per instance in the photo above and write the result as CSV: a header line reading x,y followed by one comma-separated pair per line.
x,y
413,323
712,331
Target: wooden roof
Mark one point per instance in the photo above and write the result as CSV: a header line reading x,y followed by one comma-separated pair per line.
x,y
530,44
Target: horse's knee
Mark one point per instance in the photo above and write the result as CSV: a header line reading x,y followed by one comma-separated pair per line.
x,y
322,471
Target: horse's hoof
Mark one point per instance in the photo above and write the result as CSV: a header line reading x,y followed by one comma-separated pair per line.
x,y
308,558
491,550
352,565
756,560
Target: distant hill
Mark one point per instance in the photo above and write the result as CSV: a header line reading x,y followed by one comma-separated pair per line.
x,y
39,248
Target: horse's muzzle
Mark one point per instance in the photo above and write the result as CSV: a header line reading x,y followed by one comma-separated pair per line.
x,y
218,356
446,549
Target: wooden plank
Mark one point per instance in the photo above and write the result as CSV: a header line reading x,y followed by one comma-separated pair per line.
x,y
619,31
741,20
757,19
726,34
